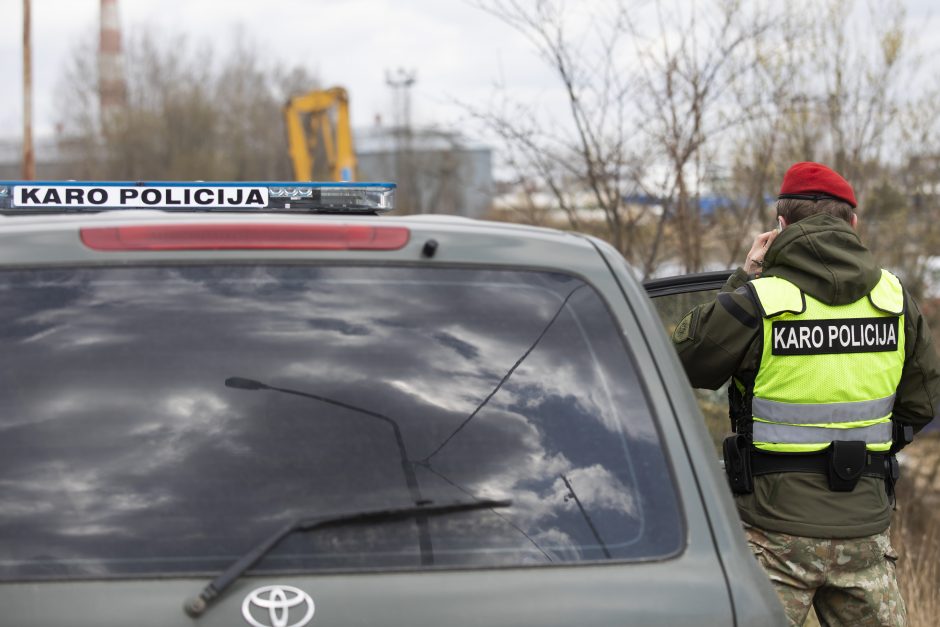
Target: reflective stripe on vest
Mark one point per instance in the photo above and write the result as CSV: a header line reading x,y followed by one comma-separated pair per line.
x,y
827,372
804,414
795,437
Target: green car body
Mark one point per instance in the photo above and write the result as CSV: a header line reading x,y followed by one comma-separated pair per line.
x,y
705,575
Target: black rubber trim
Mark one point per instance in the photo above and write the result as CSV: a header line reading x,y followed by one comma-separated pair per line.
x,y
738,312
687,283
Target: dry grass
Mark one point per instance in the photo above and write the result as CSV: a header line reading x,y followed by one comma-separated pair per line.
x,y
919,574
916,534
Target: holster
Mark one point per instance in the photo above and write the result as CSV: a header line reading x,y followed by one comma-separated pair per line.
x,y
901,436
739,411
737,454
847,460
892,474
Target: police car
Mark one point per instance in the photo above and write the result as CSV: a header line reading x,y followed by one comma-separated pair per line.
x,y
264,404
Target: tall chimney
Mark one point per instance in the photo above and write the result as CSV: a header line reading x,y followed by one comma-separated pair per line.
x,y
112,90
29,158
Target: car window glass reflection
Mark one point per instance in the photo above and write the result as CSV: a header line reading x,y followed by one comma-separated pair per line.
x,y
163,420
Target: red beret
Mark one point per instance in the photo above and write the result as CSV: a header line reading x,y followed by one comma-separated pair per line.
x,y
808,179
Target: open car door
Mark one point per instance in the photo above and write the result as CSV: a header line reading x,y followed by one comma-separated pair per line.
x,y
673,297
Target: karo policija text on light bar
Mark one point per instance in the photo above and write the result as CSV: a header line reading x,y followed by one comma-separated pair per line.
x,y
17,197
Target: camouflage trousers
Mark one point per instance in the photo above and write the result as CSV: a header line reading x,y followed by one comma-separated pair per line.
x,y
847,581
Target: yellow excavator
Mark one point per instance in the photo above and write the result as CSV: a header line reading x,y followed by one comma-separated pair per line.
x,y
318,130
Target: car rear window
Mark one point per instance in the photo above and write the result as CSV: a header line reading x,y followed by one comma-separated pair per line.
x,y
165,420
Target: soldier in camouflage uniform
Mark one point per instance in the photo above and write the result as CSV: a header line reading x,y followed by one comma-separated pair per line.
x,y
816,513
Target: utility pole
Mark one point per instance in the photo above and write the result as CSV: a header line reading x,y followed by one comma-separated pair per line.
x,y
29,160
401,84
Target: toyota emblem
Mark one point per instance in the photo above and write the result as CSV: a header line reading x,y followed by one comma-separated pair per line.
x,y
278,606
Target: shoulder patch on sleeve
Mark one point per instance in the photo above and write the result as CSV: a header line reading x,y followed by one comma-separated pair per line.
x,y
685,329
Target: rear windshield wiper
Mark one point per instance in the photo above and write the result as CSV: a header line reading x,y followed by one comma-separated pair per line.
x,y
199,604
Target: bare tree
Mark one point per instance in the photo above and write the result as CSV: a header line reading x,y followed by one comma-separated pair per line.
x,y
670,101
645,106
847,69
833,74
186,117
689,70
902,203
767,74
588,163
849,102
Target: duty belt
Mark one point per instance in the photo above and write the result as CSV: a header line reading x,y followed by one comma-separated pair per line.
x,y
767,463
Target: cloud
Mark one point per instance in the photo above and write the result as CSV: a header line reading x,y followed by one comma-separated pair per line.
x,y
134,446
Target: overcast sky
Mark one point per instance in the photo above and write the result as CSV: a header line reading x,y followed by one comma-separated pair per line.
x,y
458,51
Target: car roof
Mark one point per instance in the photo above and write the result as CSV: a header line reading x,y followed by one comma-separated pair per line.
x,y
156,216
54,239
35,230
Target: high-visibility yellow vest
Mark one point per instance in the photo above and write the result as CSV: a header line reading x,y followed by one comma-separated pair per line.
x,y
827,372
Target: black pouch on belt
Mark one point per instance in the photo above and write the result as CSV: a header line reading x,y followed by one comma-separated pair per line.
x,y
847,460
737,453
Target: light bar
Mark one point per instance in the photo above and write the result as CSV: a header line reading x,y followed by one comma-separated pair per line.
x,y
31,197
